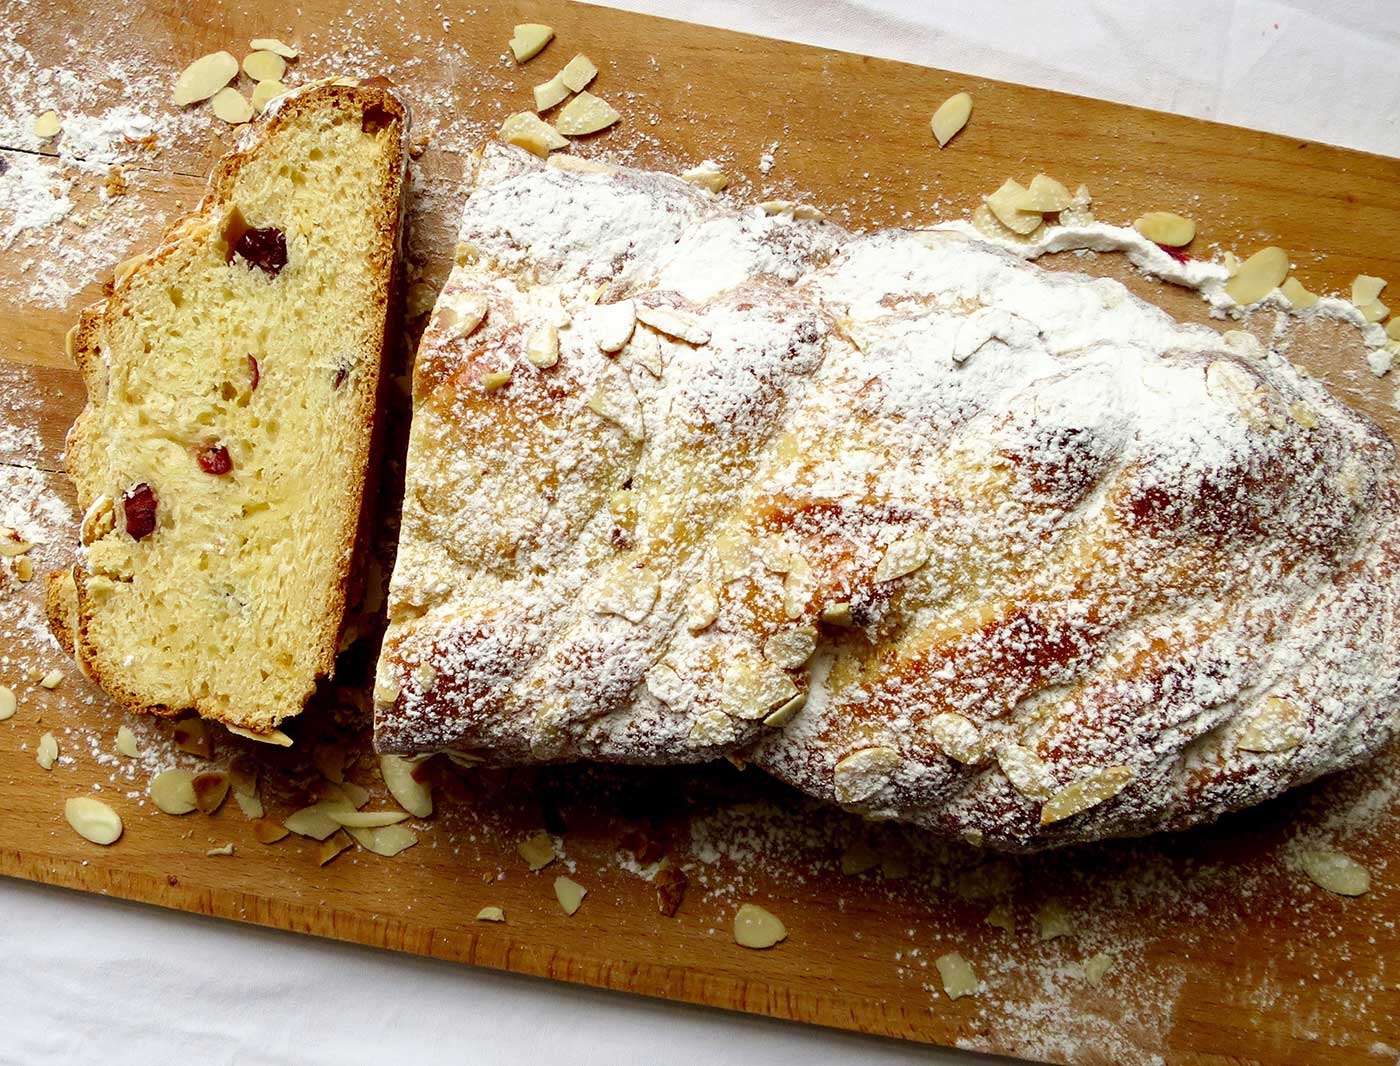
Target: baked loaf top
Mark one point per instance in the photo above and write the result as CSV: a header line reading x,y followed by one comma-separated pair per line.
x,y
918,527
233,378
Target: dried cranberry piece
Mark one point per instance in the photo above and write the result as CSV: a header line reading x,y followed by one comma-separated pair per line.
x,y
340,372
1181,255
253,374
264,247
214,459
139,505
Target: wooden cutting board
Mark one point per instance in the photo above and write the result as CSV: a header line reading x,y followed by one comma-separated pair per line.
x,y
1222,952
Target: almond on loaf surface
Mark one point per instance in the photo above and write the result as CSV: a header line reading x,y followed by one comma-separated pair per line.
x,y
920,528
233,380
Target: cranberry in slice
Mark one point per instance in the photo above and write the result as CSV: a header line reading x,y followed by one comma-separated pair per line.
x,y
214,459
253,374
139,506
264,247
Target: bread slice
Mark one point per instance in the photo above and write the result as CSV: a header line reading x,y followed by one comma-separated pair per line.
x,y
233,380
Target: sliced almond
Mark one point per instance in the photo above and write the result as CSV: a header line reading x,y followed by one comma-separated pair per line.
x,y
1392,328
1052,921
631,594
538,850
1000,917
1025,770
786,711
777,207
808,213
47,752
710,729
275,737
903,557
529,40
250,803
332,846
1088,791
210,789
673,323
172,791
47,125
409,793
266,831
272,44
569,893
231,106
864,773
1257,276
204,77
126,742
1002,204
577,73
12,544
551,93
612,325
751,688
986,223
527,130
264,92
24,569
490,914
798,586
1374,311
790,648
1365,289
614,400
264,66
701,606
645,350
1335,872
957,737
837,614
222,850
755,927
958,976
1044,194
358,795
52,679
585,114
386,841
459,313
192,736
1096,966
313,821
707,176
542,349
951,117
496,380
1166,227
93,820
8,703
1279,725
366,819
1298,297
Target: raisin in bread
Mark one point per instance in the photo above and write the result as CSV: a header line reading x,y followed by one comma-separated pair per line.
x,y
923,529
233,380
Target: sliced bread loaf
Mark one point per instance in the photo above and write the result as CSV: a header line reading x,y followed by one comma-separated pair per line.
x,y
233,381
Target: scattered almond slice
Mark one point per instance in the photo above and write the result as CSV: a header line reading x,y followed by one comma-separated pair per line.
x,y
986,223
8,703
332,846
266,831
776,207
673,323
24,569
52,679
902,558
496,380
12,544
126,742
358,795
172,791
1374,311
585,114
47,753
613,325
569,893
757,928
1166,227
537,850
577,73
1366,289
786,711
210,789
385,841
858,858
1002,204
192,736
226,849
250,803
313,821
959,978
272,44
550,93
707,176
808,213
630,595
645,349
863,773
1392,328
1088,791
1258,276
790,648
1298,297
527,130
542,349
409,793
264,92
275,737
490,914
264,66
1096,966
1279,725
1000,917
837,614
231,106
1053,921
47,125
957,737
1044,194
204,77
366,819
529,40
93,820
751,688
950,118
1335,872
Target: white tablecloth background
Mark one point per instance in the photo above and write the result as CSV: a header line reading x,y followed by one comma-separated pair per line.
x,y
86,980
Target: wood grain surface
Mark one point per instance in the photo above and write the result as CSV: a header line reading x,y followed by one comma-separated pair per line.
x,y
1222,951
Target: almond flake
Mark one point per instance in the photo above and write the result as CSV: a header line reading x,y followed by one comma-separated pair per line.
x,y
231,106
750,688
542,349
786,712
903,557
529,40
959,978
366,819
264,66
192,736
204,77
1000,917
550,93
1297,296
790,648
332,846
272,44
1257,276
613,325
1002,204
858,858
226,849
496,380
645,350
776,207
706,176
1096,966
313,821
210,789
1373,311
1335,872
47,753
584,114
987,224
675,324
1088,791
864,773
93,820
52,679
8,703
837,614
631,594
386,841
459,313
12,544
250,803
701,606
957,737
614,400
275,737
1392,328
24,569
665,684
358,795
172,791
757,928
1025,770
1278,726
47,125
569,893
409,793
1366,289
577,73
1304,415
710,729
490,914
538,850
266,831
1044,194
1053,920
798,587
264,92
527,130
1166,227
951,117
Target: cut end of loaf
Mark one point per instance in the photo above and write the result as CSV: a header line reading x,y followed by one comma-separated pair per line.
x,y
233,379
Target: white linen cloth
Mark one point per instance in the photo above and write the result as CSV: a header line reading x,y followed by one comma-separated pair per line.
x,y
86,980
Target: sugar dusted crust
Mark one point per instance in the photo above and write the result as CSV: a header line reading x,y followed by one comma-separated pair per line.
x,y
922,529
